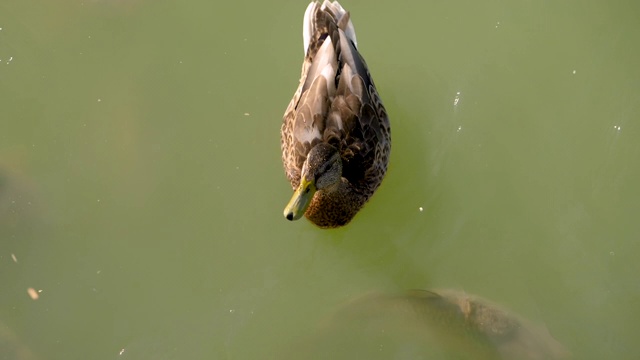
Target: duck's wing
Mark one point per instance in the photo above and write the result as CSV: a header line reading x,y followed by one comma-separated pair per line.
x,y
305,118
365,135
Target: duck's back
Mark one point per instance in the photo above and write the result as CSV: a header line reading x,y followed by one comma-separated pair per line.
x,y
337,103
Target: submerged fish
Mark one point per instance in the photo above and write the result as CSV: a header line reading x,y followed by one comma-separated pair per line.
x,y
439,324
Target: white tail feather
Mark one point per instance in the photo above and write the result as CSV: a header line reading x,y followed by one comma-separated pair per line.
x,y
308,24
339,11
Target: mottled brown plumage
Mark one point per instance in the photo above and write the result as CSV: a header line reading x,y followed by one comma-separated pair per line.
x,y
337,104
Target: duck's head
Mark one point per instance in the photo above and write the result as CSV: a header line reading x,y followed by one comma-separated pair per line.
x,y
322,170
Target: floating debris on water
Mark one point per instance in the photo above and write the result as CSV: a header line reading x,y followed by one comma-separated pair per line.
x,y
456,99
33,293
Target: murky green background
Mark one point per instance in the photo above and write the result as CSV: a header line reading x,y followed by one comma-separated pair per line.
x,y
141,186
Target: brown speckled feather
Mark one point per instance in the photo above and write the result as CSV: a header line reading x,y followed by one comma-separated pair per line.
x,y
337,103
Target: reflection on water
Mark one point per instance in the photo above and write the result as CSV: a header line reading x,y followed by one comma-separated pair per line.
x,y
18,205
440,324
11,347
19,219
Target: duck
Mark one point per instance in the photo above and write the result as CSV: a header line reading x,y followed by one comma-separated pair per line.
x,y
335,135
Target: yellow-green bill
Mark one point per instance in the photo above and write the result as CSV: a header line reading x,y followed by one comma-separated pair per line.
x,y
300,200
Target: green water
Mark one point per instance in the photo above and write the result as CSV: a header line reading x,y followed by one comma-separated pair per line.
x,y
141,186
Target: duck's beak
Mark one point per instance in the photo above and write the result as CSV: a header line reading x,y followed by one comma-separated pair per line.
x,y
300,200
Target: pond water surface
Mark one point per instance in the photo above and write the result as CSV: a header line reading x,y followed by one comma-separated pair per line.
x,y
142,190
